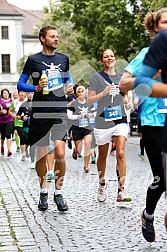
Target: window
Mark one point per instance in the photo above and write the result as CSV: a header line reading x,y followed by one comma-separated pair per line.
x,y
5,63
4,32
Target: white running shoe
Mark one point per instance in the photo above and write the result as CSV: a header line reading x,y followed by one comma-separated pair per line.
x,y
122,197
102,193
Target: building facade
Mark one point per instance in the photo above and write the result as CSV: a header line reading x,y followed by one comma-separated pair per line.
x,y
17,39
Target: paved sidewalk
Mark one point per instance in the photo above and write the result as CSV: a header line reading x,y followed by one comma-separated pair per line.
x,y
88,225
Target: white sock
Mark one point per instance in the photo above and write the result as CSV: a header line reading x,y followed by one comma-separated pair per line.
x,y
57,191
148,216
43,190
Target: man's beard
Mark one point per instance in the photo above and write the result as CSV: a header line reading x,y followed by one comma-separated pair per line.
x,y
51,47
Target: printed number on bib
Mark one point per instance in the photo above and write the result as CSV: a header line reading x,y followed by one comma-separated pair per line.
x,y
112,113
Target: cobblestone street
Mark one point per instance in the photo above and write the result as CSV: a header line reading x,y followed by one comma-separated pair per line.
x,y
88,225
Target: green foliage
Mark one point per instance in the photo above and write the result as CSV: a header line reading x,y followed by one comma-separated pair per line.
x,y
21,62
107,24
87,27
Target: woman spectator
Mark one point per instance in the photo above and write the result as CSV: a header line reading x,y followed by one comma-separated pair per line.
x,y
18,123
6,121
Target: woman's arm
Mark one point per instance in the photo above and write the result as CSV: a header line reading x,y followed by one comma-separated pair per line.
x,y
93,97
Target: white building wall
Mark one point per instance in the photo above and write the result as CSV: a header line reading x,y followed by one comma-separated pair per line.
x,y
12,46
31,46
17,47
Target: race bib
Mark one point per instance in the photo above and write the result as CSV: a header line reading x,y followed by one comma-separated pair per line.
x,y
112,113
83,122
54,79
162,105
92,120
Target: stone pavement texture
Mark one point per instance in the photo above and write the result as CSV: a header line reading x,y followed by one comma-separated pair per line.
x,y
88,225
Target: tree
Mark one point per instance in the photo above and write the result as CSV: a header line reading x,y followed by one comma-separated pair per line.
x,y
104,24
68,35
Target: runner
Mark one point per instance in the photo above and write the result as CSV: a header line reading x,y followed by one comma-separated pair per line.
x,y
80,113
151,120
49,112
111,123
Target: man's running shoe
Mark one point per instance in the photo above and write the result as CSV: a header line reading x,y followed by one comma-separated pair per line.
x,y
2,150
50,176
43,204
18,149
147,228
141,156
102,193
122,196
60,202
9,153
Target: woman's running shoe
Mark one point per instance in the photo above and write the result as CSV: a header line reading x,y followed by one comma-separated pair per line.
x,y
102,193
122,196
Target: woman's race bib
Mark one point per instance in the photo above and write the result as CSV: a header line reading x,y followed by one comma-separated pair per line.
x,y
112,113
83,122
